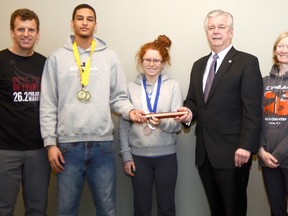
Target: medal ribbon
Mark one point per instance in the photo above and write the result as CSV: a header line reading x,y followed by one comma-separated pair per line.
x,y
86,72
149,101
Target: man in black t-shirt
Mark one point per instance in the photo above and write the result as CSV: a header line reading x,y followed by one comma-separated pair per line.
x,y
23,158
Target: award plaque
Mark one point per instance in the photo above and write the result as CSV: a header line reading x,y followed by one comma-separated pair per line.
x,y
83,96
161,115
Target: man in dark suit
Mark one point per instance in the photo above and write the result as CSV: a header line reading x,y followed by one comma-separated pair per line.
x,y
228,121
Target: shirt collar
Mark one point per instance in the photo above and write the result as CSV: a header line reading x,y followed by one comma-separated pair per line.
x,y
223,53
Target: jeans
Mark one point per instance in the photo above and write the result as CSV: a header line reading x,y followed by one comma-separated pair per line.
x,y
94,161
31,169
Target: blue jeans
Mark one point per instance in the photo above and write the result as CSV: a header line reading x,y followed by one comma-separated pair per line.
x,y
94,161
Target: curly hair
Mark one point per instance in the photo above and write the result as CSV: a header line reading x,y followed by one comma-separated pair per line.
x,y
162,44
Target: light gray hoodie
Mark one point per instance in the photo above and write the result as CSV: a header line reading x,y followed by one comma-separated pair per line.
x,y
65,119
162,140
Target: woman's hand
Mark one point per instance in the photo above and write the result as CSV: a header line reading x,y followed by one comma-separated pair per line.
x,y
269,160
129,168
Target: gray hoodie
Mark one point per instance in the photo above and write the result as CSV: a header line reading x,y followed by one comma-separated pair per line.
x,y
162,140
65,119
274,136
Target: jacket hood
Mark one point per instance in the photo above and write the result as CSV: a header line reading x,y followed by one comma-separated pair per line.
x,y
275,72
140,77
100,44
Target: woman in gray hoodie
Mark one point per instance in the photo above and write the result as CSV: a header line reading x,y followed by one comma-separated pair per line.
x,y
149,150
273,150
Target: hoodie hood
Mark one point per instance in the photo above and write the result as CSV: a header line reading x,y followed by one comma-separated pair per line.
x,y
140,77
275,72
100,44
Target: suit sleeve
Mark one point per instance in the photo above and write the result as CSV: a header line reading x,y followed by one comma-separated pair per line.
x,y
190,101
251,95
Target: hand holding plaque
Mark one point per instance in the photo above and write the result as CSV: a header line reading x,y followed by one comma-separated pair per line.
x,y
166,114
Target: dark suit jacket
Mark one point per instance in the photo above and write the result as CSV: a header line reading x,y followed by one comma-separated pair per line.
x,y
231,117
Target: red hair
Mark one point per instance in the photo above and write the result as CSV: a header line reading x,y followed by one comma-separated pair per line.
x,y
162,44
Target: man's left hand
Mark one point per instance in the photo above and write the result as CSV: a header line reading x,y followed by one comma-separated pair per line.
x,y
241,157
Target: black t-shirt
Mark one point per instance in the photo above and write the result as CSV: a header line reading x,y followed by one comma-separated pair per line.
x,y
20,83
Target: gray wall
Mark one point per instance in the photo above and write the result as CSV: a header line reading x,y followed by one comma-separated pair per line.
x,y
127,24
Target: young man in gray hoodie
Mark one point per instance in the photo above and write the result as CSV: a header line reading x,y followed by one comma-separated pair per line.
x,y
81,82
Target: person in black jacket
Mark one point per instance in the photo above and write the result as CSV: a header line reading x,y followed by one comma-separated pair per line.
x,y
228,121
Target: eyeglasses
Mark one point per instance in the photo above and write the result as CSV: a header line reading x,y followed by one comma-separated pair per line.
x,y
155,61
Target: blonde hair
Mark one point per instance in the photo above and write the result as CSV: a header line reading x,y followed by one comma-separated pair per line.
x,y
280,37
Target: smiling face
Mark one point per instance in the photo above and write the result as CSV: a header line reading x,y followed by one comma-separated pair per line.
x,y
219,33
281,51
152,65
25,34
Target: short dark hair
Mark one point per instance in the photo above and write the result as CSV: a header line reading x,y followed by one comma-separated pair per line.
x,y
81,6
24,14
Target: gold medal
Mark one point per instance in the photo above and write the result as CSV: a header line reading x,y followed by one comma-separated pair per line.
x,y
147,130
83,96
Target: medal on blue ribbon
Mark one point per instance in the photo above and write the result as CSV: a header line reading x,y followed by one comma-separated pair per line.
x,y
152,108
